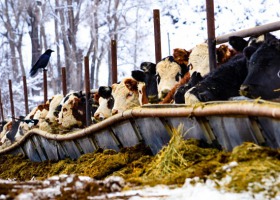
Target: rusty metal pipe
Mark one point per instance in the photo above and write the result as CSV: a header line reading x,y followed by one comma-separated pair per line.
x,y
157,35
211,34
25,95
114,61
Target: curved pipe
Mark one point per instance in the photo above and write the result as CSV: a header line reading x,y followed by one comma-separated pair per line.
x,y
259,108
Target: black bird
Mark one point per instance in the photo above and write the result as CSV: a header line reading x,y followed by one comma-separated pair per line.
x,y
42,62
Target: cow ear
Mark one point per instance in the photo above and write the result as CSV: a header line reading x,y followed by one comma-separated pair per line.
x,y
238,43
131,84
138,75
114,86
148,67
105,91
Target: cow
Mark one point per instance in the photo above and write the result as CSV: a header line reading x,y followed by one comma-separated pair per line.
x,y
221,84
168,73
125,95
147,75
263,78
179,93
239,43
105,101
72,111
199,57
9,132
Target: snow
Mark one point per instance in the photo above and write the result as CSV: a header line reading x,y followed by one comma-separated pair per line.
x,y
193,189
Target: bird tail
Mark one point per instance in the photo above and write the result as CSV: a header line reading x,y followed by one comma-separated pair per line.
x,y
33,72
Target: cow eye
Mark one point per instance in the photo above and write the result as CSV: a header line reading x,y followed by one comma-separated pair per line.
x,y
157,78
129,94
177,77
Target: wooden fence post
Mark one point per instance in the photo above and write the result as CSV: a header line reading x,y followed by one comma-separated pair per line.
x,y
157,35
211,34
11,100
87,90
114,61
64,86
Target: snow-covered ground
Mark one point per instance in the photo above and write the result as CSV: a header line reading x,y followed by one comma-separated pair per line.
x,y
77,187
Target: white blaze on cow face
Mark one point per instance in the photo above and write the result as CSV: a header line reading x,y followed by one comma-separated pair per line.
x,y
143,99
125,95
190,99
168,76
103,111
199,58
50,117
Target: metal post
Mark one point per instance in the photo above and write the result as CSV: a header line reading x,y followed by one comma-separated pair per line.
x,y
45,86
157,35
211,34
11,100
87,90
64,87
114,61
25,95
1,106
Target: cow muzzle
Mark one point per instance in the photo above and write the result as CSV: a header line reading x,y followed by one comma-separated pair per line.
x,y
163,93
244,90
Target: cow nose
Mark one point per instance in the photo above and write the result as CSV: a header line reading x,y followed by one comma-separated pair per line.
x,y
114,111
99,116
153,99
244,90
164,93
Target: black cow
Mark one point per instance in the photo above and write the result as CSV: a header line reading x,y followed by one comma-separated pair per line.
x,y
221,84
147,74
263,78
179,94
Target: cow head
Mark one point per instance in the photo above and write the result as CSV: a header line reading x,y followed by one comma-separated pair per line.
x,y
179,94
147,75
199,58
263,79
224,53
181,56
168,73
73,111
54,102
125,94
106,103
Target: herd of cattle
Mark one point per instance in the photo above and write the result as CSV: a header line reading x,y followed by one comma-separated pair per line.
x,y
250,68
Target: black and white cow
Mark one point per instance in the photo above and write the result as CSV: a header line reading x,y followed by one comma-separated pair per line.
x,y
168,73
263,78
221,84
179,94
147,75
106,103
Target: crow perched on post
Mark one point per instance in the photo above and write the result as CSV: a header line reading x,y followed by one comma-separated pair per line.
x,y
42,62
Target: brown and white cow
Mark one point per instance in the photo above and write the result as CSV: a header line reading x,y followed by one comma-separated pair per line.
x,y
199,57
168,73
73,111
125,95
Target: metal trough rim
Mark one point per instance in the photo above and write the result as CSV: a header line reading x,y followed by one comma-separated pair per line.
x,y
259,108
